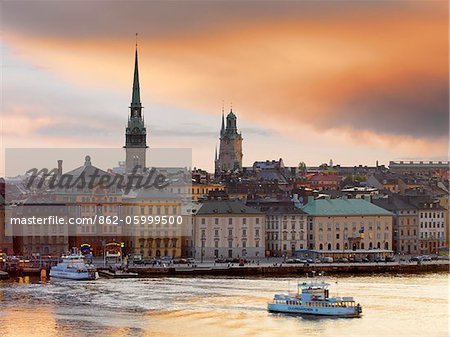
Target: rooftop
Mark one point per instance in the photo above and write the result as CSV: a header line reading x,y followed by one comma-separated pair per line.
x,y
226,207
343,207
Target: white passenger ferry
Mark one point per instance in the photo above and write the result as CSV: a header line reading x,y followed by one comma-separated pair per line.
x,y
314,300
73,267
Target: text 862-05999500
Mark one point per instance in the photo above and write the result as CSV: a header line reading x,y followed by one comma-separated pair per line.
x,y
141,220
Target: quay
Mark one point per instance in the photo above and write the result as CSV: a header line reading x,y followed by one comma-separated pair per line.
x,y
283,270
263,269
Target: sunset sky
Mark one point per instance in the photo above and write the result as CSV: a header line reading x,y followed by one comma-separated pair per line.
x,y
309,81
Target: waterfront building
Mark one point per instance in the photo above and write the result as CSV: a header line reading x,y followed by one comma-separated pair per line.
x,y
405,223
92,204
228,229
230,149
347,224
39,239
136,132
285,225
445,203
432,222
285,230
155,225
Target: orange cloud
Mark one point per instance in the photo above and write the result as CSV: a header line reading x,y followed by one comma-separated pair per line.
x,y
372,71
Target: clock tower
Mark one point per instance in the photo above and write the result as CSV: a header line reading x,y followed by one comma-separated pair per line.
x,y
135,133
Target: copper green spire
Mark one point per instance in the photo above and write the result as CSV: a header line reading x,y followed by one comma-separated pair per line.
x,y
136,97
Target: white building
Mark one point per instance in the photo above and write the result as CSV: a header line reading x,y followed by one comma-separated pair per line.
x,y
228,229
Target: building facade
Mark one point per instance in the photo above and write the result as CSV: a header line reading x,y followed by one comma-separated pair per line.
x,y
405,224
155,225
348,225
228,229
285,230
432,222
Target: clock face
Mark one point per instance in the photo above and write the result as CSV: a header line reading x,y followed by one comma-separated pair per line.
x,y
135,130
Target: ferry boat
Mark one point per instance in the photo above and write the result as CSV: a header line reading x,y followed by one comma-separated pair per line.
x,y
314,300
73,267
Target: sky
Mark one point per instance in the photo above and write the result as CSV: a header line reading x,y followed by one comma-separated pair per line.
x,y
309,81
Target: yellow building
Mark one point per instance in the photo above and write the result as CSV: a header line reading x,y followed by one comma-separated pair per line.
x,y
348,225
155,225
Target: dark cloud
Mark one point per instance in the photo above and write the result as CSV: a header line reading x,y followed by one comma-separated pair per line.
x,y
415,107
83,19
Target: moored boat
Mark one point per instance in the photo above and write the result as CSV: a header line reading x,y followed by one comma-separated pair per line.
x,y
73,267
313,299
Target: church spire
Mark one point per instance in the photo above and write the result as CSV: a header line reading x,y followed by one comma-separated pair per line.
x,y
136,97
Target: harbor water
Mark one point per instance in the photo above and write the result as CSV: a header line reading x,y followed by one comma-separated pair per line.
x,y
409,305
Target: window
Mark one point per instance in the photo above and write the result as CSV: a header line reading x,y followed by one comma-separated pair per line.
x,y
230,232
244,221
216,221
230,221
203,221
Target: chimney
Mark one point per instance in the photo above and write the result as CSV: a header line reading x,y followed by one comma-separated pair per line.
x,y
60,162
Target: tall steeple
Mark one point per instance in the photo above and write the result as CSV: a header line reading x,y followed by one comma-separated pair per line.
x,y
136,96
135,133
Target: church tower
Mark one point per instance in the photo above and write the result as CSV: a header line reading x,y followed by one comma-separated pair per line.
x,y
230,149
135,133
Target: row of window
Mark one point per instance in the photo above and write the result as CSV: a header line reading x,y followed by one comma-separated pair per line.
x,y
354,225
346,246
293,236
230,244
274,225
92,199
285,217
434,224
230,232
432,215
230,221
432,235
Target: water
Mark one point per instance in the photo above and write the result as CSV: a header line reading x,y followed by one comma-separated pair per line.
x,y
393,306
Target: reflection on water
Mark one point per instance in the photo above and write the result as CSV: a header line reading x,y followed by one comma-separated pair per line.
x,y
401,306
